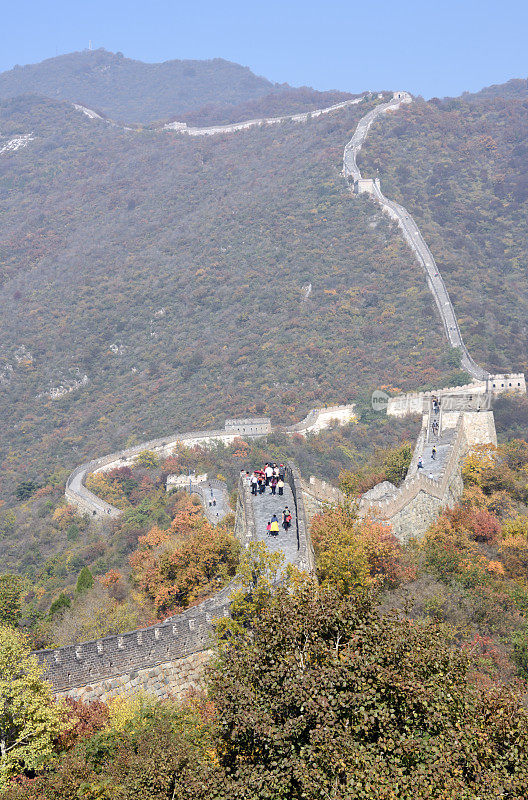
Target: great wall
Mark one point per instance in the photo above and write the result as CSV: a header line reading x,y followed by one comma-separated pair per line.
x,y
167,659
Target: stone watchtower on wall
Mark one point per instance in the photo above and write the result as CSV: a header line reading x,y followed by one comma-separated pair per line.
x,y
366,185
249,426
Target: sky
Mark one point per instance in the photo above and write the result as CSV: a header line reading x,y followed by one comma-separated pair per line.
x,y
430,48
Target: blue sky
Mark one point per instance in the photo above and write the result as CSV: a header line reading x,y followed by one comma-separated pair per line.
x,y
432,48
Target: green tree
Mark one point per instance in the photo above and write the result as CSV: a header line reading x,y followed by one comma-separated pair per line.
x,y
29,718
25,489
397,463
10,599
85,581
324,698
59,605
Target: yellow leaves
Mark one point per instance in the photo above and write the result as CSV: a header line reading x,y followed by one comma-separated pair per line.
x,y
496,568
479,459
64,516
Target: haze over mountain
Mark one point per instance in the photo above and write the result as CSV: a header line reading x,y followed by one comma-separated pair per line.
x,y
151,281
133,91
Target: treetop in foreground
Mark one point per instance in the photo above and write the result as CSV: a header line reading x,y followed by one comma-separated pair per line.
x,y
324,698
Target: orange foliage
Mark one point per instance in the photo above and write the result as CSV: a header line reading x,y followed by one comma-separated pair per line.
x,y
110,578
354,552
189,560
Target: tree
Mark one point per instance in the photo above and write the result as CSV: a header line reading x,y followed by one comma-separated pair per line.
x,y
85,581
59,605
397,463
29,718
147,459
353,552
25,489
324,698
10,599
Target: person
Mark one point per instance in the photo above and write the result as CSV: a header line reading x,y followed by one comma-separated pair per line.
x,y
286,518
268,471
274,482
274,526
282,472
433,453
254,483
268,527
280,486
275,471
262,484
420,463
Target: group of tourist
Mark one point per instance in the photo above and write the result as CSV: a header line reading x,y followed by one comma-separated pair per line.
x,y
273,524
271,475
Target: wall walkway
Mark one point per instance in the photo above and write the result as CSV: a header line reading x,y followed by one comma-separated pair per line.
x,y
410,231
167,659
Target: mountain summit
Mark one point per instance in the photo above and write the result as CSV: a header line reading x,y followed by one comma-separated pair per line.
x,y
132,90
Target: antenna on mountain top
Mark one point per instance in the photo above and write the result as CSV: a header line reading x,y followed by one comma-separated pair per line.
x,y
90,45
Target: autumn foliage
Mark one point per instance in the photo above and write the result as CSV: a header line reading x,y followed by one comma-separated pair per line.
x,y
353,552
178,566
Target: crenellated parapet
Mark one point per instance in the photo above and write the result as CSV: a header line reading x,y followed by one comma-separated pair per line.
x,y
167,659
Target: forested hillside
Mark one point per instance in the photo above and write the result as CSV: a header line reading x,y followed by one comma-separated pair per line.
x,y
460,166
131,90
205,92
173,274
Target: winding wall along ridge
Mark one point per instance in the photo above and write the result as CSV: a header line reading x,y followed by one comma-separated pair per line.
x,y
410,231
397,212
108,666
213,130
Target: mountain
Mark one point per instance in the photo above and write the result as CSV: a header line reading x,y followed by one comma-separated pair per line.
x,y
172,272
517,89
132,91
460,166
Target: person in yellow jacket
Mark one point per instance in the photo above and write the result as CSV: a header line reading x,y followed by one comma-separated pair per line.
x,y
274,527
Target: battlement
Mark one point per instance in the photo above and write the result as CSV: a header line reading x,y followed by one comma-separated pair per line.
x,y
169,656
457,397
250,426
86,663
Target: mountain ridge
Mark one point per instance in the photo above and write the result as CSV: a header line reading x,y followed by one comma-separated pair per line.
x,y
134,91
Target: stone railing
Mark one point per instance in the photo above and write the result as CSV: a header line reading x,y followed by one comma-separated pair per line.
x,y
322,491
435,487
410,231
306,559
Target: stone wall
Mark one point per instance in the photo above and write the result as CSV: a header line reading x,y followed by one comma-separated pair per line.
x,y
366,185
168,658
320,418
250,426
306,560
412,507
421,510
171,679
96,662
475,393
